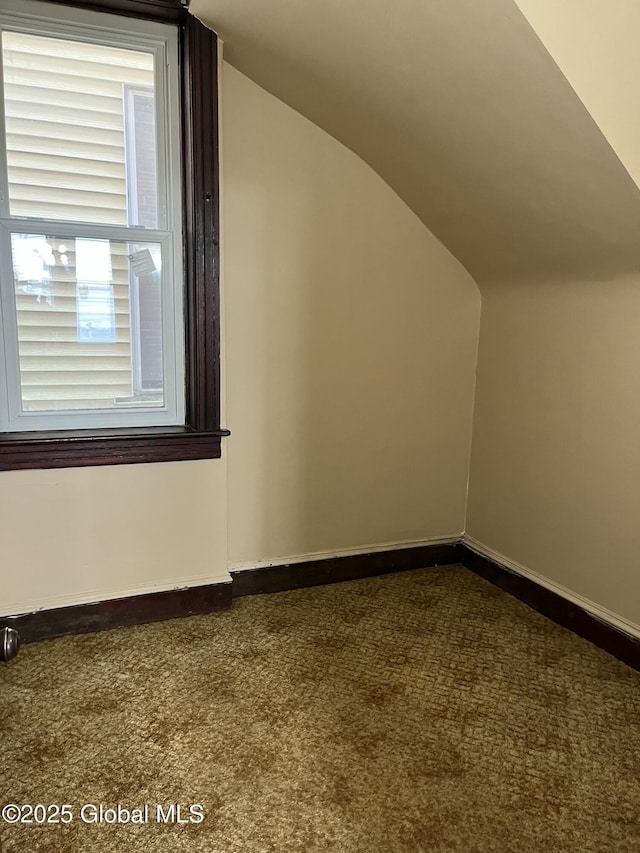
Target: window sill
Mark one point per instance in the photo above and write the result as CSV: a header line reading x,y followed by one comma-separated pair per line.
x,y
78,448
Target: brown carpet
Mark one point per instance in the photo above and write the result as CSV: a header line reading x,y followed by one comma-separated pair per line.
x,y
423,711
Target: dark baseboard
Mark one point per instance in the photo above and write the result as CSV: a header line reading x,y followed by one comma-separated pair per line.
x,y
602,634
175,603
119,612
335,569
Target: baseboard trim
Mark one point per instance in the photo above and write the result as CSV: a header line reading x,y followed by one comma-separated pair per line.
x,y
555,605
599,628
358,551
343,568
120,612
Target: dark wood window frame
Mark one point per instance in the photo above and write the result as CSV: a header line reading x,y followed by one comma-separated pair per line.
x,y
201,435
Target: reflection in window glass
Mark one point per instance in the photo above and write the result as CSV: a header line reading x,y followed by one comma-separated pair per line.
x,y
89,323
32,259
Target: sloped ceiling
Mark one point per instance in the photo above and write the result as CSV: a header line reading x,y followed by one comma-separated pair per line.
x,y
460,108
595,44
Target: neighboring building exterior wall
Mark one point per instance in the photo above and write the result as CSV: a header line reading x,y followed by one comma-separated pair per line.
x,y
68,146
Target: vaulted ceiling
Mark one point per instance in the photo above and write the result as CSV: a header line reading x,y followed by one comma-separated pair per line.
x,y
460,108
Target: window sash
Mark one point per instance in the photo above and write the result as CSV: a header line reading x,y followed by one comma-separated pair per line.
x,y
161,41
170,413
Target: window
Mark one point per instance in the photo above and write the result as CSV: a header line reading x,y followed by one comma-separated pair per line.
x,y
109,198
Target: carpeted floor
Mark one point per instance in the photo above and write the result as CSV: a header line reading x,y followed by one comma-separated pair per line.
x,y
423,711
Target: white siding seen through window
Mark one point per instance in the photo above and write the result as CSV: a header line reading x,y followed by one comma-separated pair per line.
x,y
91,330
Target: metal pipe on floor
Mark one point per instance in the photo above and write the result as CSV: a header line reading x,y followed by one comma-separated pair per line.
x,y
9,644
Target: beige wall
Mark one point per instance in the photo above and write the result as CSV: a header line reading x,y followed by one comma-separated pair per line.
x,y
351,338
85,534
351,345
555,474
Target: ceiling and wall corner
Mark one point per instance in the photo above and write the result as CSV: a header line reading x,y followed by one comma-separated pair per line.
x,y
555,475
515,138
462,110
336,298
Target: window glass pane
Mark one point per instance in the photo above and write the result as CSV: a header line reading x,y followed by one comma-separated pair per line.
x,y
95,305
89,320
81,131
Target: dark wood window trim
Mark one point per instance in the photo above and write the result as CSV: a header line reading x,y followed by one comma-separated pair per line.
x,y
201,435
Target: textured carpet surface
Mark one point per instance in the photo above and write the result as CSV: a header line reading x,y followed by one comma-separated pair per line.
x,y
423,711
